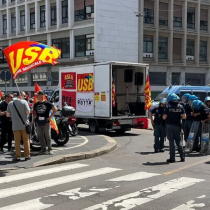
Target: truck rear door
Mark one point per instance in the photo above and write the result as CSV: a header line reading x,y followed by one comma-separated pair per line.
x,y
102,88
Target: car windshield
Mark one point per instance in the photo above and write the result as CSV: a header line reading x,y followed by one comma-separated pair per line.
x,y
161,95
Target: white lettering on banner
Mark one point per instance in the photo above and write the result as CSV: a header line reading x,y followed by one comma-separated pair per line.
x,y
85,102
175,110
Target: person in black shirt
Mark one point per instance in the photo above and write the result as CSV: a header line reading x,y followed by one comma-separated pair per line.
x,y
159,125
41,116
173,114
6,125
188,122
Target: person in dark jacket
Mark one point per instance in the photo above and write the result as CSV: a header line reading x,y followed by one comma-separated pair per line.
x,y
173,114
159,125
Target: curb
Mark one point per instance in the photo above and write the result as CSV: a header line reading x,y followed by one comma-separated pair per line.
x,y
111,145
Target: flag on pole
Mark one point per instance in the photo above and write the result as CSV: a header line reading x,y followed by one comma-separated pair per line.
x,y
1,94
26,55
52,120
28,96
147,94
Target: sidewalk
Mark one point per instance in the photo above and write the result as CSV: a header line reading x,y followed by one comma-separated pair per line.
x,y
84,146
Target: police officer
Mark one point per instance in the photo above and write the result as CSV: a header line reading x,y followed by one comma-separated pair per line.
x,y
173,114
207,101
159,125
188,122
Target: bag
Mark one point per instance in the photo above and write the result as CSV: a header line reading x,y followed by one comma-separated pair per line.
x,y
27,126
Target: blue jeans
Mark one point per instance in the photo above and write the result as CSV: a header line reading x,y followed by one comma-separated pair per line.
x,y
159,134
187,127
173,134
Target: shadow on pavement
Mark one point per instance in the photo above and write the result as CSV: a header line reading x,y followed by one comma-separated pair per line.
x,y
155,164
3,173
144,153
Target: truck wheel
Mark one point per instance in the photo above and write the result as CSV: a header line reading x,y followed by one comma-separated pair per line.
x,y
120,131
93,127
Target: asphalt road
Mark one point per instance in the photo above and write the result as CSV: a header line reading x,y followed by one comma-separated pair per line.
x,y
130,177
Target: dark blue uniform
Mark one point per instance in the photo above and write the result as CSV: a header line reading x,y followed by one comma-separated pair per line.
x,y
173,128
159,128
188,122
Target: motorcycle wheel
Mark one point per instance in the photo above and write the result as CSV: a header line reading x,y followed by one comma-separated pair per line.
x,y
34,143
64,140
74,130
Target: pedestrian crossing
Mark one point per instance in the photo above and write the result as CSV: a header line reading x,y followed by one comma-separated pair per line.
x,y
13,188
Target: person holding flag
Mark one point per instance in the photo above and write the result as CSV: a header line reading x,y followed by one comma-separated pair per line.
x,y
42,118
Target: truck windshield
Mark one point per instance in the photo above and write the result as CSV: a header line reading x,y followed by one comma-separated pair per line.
x,y
161,95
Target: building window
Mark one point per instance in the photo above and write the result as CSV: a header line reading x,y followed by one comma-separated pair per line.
x,y
177,22
65,11
175,78
55,78
22,20
203,51
2,57
40,78
203,25
163,48
32,18
53,14
148,45
4,1
4,24
195,79
84,45
190,47
64,45
163,22
84,9
148,16
190,18
157,78
42,17
12,0
13,23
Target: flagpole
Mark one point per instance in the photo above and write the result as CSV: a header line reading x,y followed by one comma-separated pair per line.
x,y
17,85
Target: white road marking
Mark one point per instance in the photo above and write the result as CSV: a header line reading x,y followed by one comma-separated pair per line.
x,y
134,177
190,205
54,182
138,198
47,171
202,196
34,204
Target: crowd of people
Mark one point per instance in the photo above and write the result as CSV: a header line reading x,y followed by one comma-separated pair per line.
x,y
173,116
14,116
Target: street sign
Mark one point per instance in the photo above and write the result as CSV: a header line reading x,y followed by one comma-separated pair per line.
x,y
5,75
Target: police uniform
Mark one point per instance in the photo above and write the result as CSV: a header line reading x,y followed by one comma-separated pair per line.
x,y
159,128
173,129
188,122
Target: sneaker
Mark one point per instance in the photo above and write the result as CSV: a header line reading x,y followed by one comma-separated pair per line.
x,y
50,152
162,150
2,152
170,161
10,150
156,151
16,160
182,160
28,158
43,152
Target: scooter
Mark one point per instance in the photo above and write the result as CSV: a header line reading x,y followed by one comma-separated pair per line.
x,y
63,120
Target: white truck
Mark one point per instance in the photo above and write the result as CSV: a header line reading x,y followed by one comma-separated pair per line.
x,y
105,95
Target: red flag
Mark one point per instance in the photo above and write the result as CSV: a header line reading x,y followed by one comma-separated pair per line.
x,y
24,56
1,94
28,96
147,94
52,120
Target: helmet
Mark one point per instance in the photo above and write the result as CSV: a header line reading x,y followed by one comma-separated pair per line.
x,y
191,99
163,101
207,99
197,104
185,97
172,97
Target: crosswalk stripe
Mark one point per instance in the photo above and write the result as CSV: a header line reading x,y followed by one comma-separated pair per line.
x,y
138,198
32,174
54,182
134,177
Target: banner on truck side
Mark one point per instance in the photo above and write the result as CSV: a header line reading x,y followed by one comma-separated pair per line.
x,y
69,98
85,82
85,102
68,80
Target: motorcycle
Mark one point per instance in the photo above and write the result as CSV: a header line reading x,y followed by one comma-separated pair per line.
x,y
66,124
